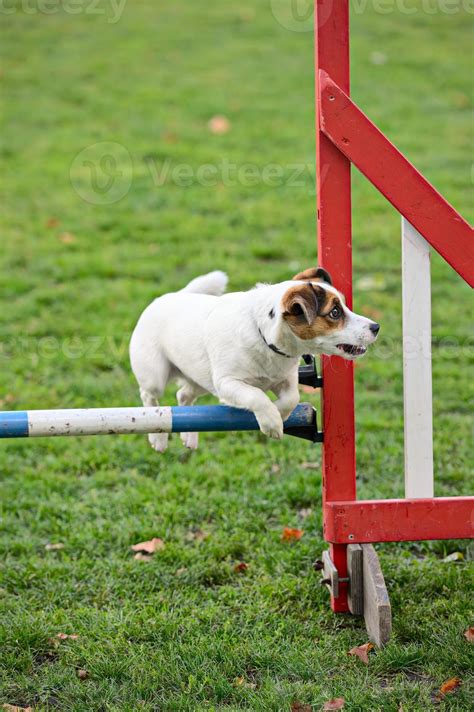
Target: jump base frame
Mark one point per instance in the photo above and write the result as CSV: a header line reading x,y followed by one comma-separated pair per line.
x,y
344,135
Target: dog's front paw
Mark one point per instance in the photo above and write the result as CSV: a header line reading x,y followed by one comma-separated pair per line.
x,y
158,441
271,424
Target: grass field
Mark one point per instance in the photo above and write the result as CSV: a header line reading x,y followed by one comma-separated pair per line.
x,y
185,631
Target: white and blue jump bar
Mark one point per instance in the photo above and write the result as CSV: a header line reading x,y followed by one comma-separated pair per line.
x,y
302,422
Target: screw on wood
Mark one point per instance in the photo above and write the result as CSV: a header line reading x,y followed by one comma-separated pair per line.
x,y
328,582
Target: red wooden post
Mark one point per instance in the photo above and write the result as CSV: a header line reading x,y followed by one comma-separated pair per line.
x,y
333,172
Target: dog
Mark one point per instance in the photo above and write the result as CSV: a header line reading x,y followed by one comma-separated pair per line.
x,y
238,346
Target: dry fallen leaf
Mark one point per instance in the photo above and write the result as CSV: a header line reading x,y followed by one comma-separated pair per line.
x,y
369,311
300,707
240,567
275,469
448,687
65,636
82,674
52,222
378,58
455,556
305,512
15,708
142,557
67,238
362,652
219,125
310,466
149,547
196,535
289,534
336,704
247,14
8,398
242,682
461,101
180,571
170,137
54,547
469,634
373,282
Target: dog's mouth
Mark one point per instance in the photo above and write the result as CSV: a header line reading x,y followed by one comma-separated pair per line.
x,y
352,350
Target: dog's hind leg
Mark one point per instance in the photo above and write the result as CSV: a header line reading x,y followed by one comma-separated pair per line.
x,y
152,372
187,395
158,441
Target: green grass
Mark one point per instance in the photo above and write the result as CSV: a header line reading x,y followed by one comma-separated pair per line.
x,y
174,633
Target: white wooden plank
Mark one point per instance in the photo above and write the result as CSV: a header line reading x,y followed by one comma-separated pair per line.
x,y
377,608
355,595
417,384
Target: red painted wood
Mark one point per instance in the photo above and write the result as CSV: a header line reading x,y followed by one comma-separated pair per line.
x,y
335,255
396,178
380,520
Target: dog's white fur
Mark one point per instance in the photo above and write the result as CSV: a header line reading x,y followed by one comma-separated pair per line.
x,y
216,344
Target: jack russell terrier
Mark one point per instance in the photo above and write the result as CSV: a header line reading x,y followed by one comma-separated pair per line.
x,y
239,345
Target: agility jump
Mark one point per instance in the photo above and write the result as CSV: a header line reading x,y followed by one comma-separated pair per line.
x,y
127,421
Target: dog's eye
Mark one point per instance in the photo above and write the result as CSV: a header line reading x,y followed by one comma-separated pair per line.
x,y
335,313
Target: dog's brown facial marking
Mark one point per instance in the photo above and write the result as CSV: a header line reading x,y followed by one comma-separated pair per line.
x,y
314,274
311,311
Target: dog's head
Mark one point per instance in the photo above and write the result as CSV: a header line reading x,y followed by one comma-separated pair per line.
x,y
316,312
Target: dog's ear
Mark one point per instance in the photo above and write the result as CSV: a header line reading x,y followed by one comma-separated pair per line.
x,y
301,303
323,275
314,274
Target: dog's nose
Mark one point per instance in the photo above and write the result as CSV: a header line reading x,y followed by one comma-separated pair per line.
x,y
374,328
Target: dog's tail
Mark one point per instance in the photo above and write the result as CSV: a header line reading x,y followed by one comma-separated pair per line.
x,y
211,283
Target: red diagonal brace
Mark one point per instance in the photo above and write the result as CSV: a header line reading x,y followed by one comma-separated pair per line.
x,y
395,177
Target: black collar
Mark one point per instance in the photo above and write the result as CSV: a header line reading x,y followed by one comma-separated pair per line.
x,y
274,348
